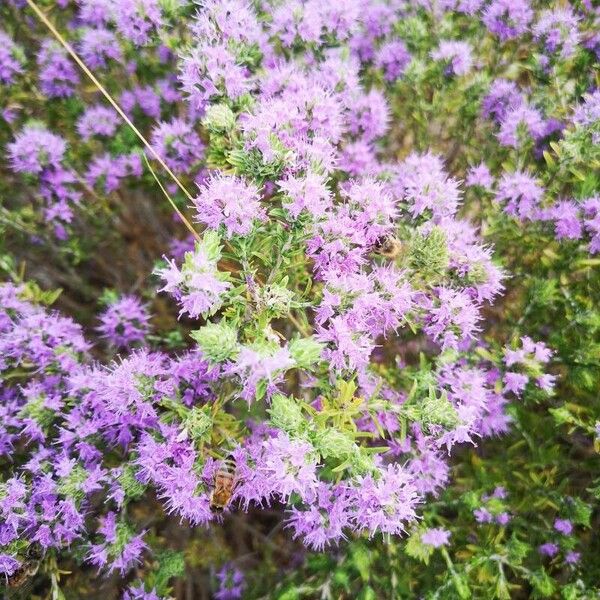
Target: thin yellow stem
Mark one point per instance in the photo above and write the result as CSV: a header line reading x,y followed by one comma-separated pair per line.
x,y
164,191
114,104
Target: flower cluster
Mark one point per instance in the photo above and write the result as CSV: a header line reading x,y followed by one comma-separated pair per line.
x,y
333,328
124,323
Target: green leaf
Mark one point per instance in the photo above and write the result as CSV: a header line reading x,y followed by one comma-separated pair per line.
x,y
341,577
542,584
261,390
461,585
517,550
582,512
367,593
361,559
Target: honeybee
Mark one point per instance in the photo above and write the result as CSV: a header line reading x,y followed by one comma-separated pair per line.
x,y
224,485
26,570
388,246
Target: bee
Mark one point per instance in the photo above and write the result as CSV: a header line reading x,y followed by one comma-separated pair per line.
x,y
26,570
388,246
224,485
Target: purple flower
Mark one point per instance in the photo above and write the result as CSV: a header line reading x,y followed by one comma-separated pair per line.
x,y
548,549
368,115
145,98
8,565
469,7
503,518
557,30
170,467
436,537
521,195
452,319
482,515
515,382
538,351
95,12
567,220
563,526
480,176
384,504
178,144
260,365
456,55
11,59
297,20
521,119
572,557
591,208
230,201
348,348
36,149
500,492
98,120
137,20
588,112
424,185
98,46
392,57
120,550
289,467
197,285
546,382
58,75
341,18
137,592
178,248
322,522
124,323
209,70
508,19
358,158
502,97
108,171
231,583
309,192
307,120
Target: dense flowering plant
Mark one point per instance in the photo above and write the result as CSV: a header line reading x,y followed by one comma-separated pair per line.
x,y
387,283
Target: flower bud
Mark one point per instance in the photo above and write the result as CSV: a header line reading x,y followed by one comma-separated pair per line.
x,y
197,423
218,341
429,254
332,443
306,351
438,411
286,414
219,118
277,299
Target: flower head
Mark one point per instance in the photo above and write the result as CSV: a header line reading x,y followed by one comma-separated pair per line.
x,y
36,149
230,201
393,57
124,322
11,59
435,537
198,285
58,76
456,55
508,19
178,144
